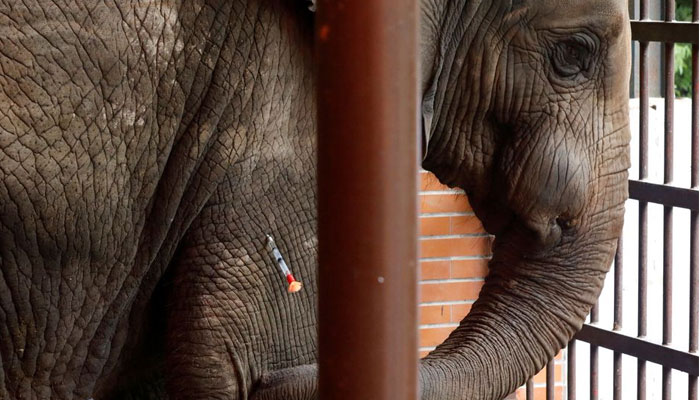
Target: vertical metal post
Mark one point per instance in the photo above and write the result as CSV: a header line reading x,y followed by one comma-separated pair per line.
x,y
530,390
571,371
643,213
669,87
367,54
550,380
617,321
633,10
593,395
693,337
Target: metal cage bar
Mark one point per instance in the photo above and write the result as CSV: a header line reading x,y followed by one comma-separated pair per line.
x,y
593,390
669,99
643,210
550,380
571,371
617,321
367,175
693,309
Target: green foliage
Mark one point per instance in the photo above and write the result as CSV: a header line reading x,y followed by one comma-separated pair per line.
x,y
683,53
684,10
684,70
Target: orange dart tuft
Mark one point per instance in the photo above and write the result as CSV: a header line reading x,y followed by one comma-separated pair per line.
x,y
294,287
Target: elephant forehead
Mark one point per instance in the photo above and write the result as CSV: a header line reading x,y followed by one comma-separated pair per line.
x,y
611,7
577,12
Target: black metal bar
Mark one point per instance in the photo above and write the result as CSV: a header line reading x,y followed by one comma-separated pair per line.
x,y
695,175
693,345
644,9
617,320
550,380
641,379
639,348
594,359
617,311
669,99
643,213
657,31
530,390
633,9
571,371
662,194
694,178
617,375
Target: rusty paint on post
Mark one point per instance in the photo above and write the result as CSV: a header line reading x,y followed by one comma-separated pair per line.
x,y
367,56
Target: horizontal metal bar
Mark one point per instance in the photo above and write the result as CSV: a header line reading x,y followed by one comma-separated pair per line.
x,y
639,348
671,32
664,194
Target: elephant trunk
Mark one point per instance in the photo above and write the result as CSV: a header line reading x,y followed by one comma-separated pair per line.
x,y
530,306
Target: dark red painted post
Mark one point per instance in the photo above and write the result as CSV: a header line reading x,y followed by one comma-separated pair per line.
x,y
368,162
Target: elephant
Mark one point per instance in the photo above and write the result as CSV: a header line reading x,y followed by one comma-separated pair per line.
x,y
148,147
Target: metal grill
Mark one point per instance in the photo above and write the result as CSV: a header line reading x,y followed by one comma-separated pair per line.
x,y
667,31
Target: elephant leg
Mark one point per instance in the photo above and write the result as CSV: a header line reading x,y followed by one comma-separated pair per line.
x,y
230,317
200,362
296,383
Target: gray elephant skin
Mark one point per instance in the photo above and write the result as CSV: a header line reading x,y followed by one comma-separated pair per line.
x,y
147,148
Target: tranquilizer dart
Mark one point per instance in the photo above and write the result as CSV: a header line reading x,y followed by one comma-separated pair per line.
x,y
294,285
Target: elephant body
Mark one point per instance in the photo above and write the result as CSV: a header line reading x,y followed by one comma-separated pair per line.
x,y
135,141
148,147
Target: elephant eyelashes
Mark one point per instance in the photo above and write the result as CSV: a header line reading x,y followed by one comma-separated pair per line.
x,y
571,57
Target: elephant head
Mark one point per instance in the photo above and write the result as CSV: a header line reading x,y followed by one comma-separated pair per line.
x,y
525,108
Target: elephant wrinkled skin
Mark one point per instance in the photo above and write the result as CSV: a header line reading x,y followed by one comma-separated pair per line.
x,y
147,147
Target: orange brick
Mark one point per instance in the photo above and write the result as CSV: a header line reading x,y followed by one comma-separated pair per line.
x,y
452,291
434,270
430,337
434,226
434,314
452,247
459,311
541,393
463,224
541,377
429,182
444,203
469,268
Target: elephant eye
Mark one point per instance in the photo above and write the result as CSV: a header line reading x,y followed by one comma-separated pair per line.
x,y
571,57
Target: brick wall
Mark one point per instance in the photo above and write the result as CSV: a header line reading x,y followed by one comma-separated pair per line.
x,y
455,251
